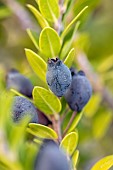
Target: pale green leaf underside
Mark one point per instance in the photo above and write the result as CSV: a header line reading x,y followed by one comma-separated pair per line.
x,y
33,38
70,57
41,20
38,65
72,22
46,101
104,164
49,9
41,131
69,142
49,42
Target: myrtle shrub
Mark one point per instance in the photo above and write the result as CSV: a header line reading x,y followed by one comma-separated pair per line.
x,y
60,100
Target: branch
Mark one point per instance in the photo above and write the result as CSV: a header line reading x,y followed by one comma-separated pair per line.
x,y
59,25
57,126
95,79
20,12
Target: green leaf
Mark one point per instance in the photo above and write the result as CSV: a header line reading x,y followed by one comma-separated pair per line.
x,y
30,152
68,4
18,131
72,22
41,131
49,9
63,103
4,12
105,119
43,23
8,164
75,121
46,101
69,59
34,38
106,64
17,93
6,100
93,105
75,158
39,142
66,119
104,164
69,142
67,45
38,65
49,42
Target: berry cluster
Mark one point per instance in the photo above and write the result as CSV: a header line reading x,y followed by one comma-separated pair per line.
x,y
73,85
70,83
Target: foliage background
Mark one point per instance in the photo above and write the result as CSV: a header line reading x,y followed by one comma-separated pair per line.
x,y
96,126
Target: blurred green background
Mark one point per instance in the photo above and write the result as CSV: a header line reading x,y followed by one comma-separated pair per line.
x,y
96,40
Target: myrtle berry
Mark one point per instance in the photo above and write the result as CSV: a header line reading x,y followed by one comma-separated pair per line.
x,y
51,157
58,77
19,82
79,92
23,107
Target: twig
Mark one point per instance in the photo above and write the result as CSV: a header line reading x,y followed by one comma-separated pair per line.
x,y
95,79
20,12
59,25
70,122
56,126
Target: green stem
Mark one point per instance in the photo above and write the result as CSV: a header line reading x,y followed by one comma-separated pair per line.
x,y
69,124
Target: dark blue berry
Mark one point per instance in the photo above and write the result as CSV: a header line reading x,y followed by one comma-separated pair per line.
x,y
23,107
79,92
19,82
51,157
58,77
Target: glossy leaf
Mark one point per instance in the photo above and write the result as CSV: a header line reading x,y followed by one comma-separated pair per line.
x,y
46,101
69,59
67,45
33,37
49,9
43,23
49,42
37,63
75,121
69,142
41,131
72,22
104,164
75,158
